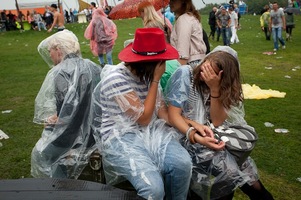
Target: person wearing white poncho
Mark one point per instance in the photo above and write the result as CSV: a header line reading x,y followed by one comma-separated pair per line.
x,y
134,139
63,106
211,92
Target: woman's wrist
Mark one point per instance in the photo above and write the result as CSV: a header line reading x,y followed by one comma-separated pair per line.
x,y
190,134
156,81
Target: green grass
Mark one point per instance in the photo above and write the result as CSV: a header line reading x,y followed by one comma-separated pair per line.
x,y
22,72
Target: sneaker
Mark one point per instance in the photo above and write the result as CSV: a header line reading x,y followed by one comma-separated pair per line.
x,y
274,49
283,47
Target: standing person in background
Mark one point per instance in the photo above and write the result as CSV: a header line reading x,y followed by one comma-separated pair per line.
x,y
58,19
102,33
71,15
224,21
187,33
277,23
264,22
91,9
48,17
75,12
290,24
236,9
212,22
67,16
233,26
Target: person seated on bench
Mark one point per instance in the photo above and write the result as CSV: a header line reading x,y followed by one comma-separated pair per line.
x,y
62,106
134,138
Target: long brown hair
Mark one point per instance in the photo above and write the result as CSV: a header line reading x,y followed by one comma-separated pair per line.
x,y
144,70
188,7
230,85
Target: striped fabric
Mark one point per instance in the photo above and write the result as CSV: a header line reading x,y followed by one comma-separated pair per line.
x,y
114,93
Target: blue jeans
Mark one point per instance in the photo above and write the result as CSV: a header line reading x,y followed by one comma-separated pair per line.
x,y
109,58
128,157
226,35
277,35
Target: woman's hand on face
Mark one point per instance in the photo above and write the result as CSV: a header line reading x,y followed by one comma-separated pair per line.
x,y
159,71
210,142
210,76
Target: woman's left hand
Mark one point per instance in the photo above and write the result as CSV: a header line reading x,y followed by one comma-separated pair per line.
x,y
204,131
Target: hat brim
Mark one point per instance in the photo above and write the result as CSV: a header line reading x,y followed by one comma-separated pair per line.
x,y
127,55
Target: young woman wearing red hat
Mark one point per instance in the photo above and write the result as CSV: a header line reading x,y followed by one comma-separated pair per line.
x,y
134,139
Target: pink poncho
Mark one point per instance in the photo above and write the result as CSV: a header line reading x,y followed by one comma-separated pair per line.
x,y
101,32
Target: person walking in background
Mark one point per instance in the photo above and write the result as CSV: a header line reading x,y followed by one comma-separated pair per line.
x,y
276,24
102,33
233,26
133,133
212,22
187,33
290,24
264,22
223,22
58,19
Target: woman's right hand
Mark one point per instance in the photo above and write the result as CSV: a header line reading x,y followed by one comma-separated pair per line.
x,y
210,142
159,71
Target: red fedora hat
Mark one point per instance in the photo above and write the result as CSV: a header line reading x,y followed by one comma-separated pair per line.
x,y
149,45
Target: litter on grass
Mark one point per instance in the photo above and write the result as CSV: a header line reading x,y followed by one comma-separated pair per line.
x,y
269,53
255,92
6,111
268,124
3,135
281,130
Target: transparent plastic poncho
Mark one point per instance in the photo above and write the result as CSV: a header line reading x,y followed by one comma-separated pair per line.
x,y
117,105
215,173
63,106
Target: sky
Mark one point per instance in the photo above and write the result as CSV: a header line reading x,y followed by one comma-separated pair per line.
x,y
10,4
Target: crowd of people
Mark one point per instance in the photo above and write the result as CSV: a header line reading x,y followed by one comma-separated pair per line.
x,y
149,115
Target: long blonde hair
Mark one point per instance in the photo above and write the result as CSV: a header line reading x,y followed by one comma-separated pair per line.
x,y
151,17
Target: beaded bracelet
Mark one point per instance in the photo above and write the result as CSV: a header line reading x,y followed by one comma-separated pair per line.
x,y
156,81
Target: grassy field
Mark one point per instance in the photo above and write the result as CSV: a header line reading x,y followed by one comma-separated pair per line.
x,y
277,155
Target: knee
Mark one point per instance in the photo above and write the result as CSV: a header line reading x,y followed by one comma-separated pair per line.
x,y
153,190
